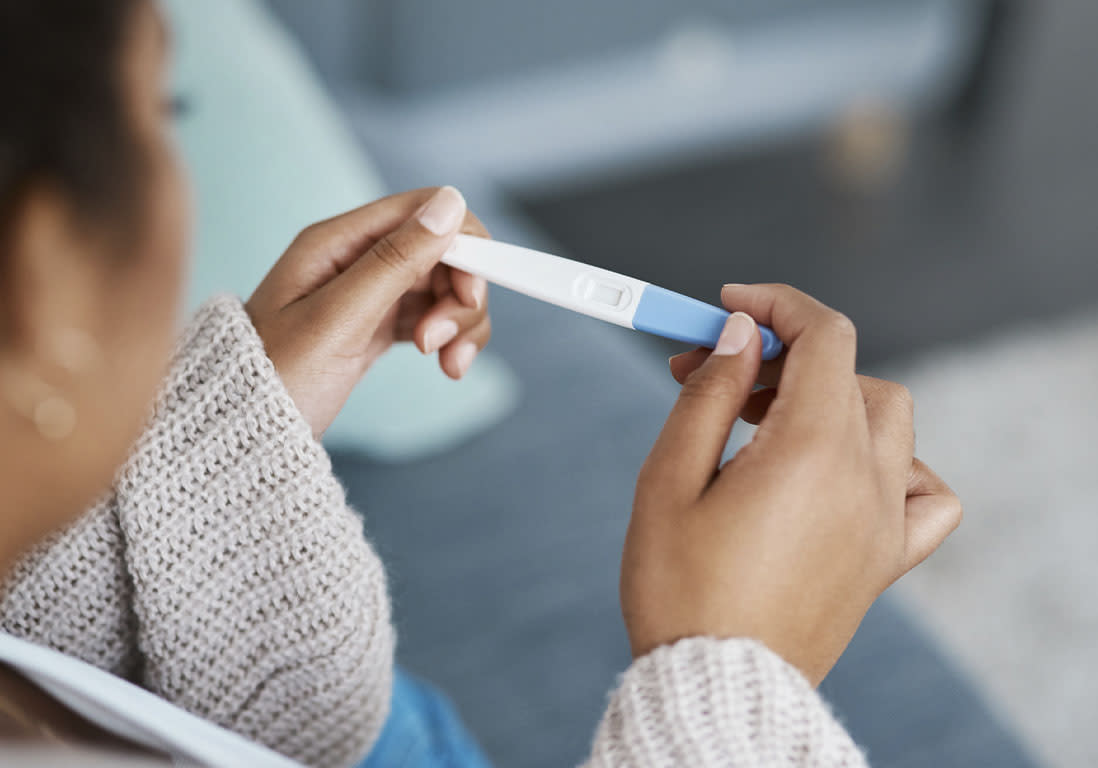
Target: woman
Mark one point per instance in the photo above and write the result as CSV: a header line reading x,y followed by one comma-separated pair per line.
x,y
208,553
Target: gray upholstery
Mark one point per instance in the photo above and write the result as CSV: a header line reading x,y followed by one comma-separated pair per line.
x,y
504,563
504,555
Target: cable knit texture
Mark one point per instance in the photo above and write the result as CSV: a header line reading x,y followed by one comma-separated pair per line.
x,y
226,573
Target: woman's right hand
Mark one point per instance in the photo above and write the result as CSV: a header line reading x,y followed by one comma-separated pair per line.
x,y
349,288
791,541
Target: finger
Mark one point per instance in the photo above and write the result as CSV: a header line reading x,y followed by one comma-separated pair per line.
x,y
472,290
771,371
933,512
370,286
475,227
682,365
889,410
754,410
890,414
444,322
321,252
818,372
758,405
349,234
440,281
456,358
325,249
685,364
688,450
425,284
412,309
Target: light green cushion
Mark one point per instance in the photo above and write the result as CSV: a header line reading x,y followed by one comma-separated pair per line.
x,y
269,154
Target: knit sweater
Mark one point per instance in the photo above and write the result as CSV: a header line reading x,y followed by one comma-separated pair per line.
x,y
226,573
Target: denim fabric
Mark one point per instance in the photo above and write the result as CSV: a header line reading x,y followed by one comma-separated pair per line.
x,y
423,731
504,559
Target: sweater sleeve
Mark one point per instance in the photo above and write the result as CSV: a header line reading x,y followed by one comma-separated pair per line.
x,y
704,702
72,594
259,603
225,571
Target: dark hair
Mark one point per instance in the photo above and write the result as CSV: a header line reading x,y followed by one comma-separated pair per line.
x,y
62,102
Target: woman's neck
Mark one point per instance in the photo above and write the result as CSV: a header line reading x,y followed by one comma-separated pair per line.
x,y
26,511
14,536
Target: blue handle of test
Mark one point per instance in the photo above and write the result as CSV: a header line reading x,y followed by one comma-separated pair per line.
x,y
674,316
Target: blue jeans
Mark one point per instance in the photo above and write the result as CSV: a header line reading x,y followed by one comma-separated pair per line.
x,y
423,731
530,543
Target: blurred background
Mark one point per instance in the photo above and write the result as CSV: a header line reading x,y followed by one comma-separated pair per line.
x,y
915,162
926,166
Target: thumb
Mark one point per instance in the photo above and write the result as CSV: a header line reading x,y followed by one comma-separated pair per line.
x,y
690,447
379,278
933,511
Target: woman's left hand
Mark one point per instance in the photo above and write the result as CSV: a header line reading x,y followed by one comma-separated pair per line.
x,y
350,287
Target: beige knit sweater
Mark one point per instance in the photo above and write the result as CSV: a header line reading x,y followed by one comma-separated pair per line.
x,y
226,573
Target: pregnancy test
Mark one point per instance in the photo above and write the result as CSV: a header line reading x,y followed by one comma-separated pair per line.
x,y
596,292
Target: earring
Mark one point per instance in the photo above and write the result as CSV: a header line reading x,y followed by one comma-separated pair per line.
x,y
55,418
32,398
53,415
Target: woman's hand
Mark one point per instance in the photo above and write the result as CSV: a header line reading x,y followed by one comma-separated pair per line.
x,y
349,287
791,541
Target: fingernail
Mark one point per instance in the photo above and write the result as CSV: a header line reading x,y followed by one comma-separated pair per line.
x,y
480,292
464,356
734,285
439,335
737,334
444,212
